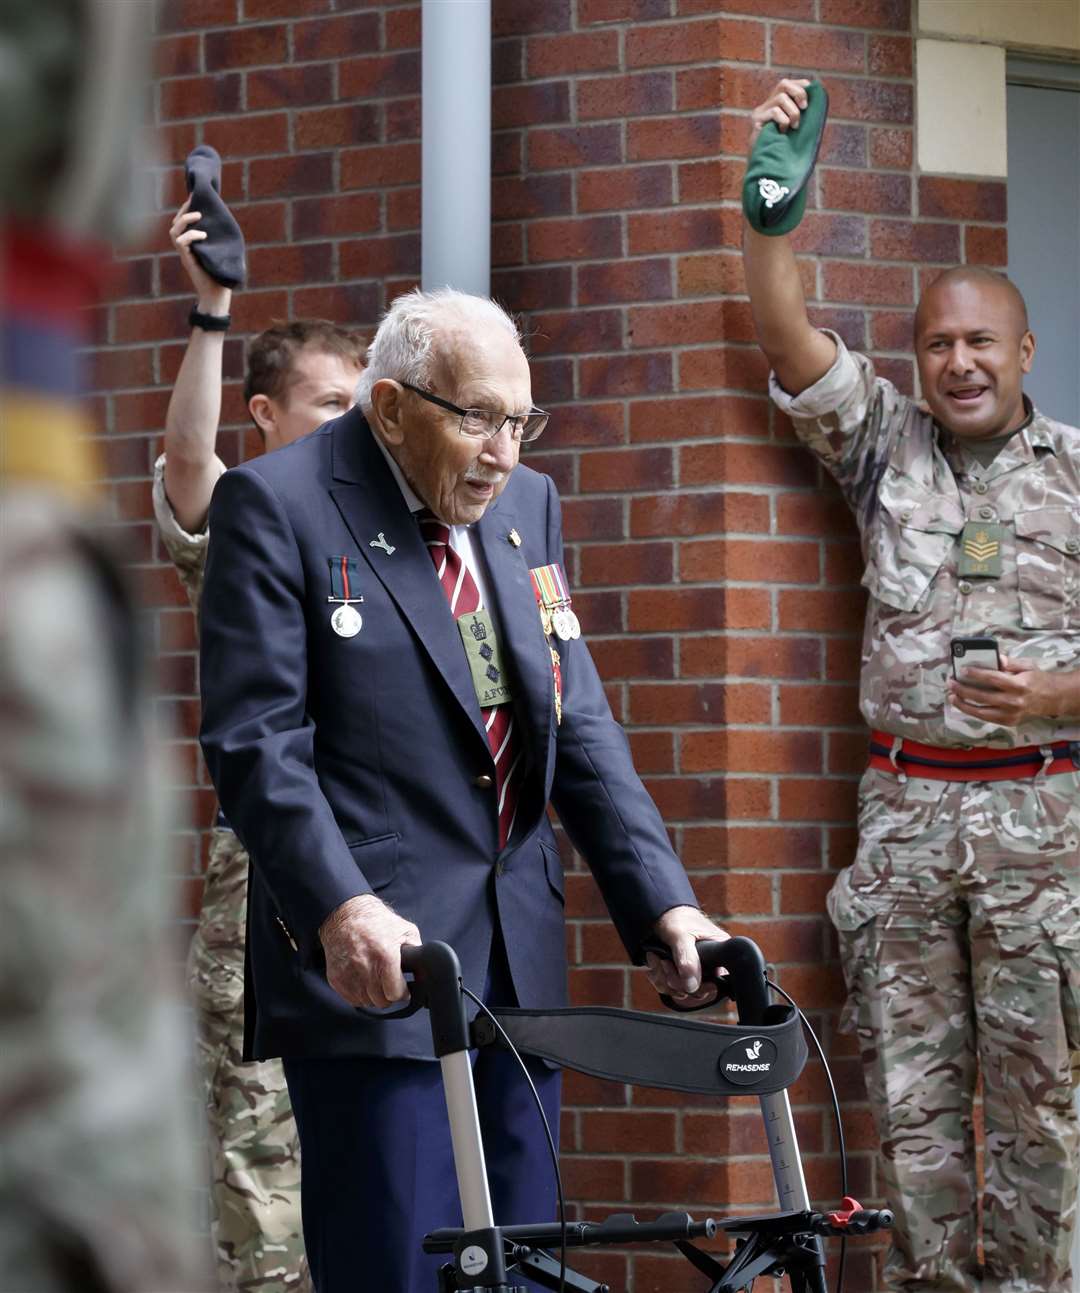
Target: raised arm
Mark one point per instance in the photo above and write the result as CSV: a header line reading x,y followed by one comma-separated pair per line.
x,y
192,467
799,354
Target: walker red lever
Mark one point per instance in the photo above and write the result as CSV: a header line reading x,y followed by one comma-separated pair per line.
x,y
851,1218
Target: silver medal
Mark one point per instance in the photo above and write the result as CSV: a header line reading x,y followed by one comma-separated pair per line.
x,y
346,621
575,625
560,622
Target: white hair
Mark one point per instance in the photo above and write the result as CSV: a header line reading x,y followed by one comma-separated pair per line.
x,y
404,346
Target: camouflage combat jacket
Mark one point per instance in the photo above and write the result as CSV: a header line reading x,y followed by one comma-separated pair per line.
x,y
98,1145
187,551
912,493
221,918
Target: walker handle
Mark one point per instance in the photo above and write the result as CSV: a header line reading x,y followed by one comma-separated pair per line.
x,y
436,984
744,982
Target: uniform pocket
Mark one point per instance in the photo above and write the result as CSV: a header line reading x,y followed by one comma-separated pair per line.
x,y
1063,935
215,977
855,921
1048,567
377,858
915,533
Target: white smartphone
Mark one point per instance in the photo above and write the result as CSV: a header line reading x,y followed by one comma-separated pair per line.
x,y
982,653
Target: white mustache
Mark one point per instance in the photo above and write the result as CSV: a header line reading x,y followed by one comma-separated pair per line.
x,y
482,476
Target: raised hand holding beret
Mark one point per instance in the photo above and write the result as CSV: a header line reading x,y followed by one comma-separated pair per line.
x,y
221,252
780,166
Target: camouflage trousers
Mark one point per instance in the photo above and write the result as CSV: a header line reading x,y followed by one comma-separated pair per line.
x,y
959,927
254,1148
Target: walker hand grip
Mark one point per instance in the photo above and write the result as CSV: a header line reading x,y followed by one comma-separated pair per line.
x,y
436,978
436,984
744,983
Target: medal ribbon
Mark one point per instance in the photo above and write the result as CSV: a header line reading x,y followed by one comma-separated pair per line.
x,y
340,583
549,585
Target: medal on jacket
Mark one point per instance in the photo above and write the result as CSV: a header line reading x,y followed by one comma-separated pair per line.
x,y
345,619
553,601
556,674
980,550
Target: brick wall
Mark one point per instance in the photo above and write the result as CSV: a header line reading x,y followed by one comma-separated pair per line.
x,y
715,568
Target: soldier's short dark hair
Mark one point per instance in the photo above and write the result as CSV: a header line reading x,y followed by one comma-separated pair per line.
x,y
272,355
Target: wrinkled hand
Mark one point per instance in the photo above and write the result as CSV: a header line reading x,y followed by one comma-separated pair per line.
x,y
784,106
1008,696
362,940
682,928
212,297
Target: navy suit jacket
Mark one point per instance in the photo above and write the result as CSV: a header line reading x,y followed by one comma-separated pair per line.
x,y
350,765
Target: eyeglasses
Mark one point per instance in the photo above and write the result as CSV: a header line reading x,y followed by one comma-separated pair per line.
x,y
482,424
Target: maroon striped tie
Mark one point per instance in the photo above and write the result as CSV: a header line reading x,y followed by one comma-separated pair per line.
x,y
464,597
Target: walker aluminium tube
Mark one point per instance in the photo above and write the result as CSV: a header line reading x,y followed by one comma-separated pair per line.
x,y
465,1137
743,960
437,975
784,1152
455,239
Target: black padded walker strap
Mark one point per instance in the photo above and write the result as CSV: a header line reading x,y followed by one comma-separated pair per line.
x,y
675,1054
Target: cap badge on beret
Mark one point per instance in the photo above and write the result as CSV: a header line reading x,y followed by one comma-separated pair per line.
x,y
771,191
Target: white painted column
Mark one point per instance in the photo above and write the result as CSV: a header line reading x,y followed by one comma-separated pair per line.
x,y
456,145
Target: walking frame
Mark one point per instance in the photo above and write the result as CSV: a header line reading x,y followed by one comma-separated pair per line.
x,y
761,1055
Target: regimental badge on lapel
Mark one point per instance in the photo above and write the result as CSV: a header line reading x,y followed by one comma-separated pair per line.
x,y
553,601
345,619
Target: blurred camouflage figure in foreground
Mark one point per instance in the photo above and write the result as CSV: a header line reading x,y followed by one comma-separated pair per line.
x,y
97,1167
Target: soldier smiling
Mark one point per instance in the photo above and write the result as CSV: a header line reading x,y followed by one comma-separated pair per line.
x,y
958,921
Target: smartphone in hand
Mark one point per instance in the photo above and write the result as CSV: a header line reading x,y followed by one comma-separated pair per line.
x,y
982,653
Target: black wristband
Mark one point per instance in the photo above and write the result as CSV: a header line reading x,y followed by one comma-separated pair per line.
x,y
209,322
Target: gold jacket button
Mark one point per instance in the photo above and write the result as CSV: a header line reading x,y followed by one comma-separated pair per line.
x,y
483,781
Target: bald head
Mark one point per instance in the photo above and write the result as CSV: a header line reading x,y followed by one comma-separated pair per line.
x,y
981,280
973,347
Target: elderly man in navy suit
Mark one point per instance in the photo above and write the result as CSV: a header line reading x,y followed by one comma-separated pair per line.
x,y
394,689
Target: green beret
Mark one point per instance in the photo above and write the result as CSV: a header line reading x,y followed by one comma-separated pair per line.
x,y
780,166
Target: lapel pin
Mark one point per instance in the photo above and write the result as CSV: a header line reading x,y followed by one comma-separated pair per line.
x,y
514,538
381,542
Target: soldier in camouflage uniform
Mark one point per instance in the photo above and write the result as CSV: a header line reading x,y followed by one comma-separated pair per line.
x,y
298,376
97,1163
958,921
